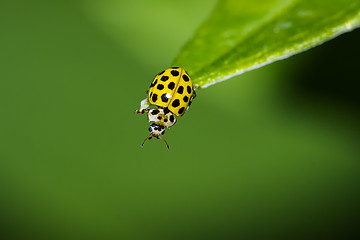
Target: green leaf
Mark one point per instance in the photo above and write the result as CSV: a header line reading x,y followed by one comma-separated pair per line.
x,y
243,35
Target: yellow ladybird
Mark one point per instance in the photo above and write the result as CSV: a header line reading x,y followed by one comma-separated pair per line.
x,y
172,92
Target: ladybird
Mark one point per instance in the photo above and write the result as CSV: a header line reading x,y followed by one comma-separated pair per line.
x,y
171,92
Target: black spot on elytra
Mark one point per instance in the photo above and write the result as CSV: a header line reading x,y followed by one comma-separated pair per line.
x,y
175,103
186,99
180,89
154,97
166,110
181,110
159,117
154,112
164,98
160,73
165,120
172,118
188,89
160,87
175,73
164,78
153,83
186,78
151,94
171,85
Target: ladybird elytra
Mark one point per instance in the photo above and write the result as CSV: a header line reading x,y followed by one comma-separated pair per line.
x,y
171,88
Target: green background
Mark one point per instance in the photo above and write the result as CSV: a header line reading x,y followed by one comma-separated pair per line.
x,y
271,154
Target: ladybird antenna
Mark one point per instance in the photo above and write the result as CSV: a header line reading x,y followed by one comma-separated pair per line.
x,y
167,145
149,137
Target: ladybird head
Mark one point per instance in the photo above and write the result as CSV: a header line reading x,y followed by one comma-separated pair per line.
x,y
156,131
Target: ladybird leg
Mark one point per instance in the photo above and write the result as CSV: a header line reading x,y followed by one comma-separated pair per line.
x,y
196,86
144,106
194,94
142,110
